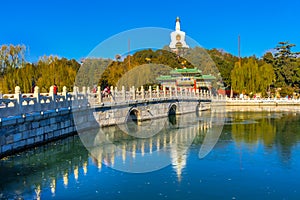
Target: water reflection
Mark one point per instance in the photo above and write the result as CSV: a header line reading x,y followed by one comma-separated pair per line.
x,y
57,165
149,146
26,174
274,130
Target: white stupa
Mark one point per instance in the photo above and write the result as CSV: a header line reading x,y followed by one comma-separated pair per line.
x,y
178,37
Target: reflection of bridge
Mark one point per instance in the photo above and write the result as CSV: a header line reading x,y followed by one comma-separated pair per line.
x,y
137,151
42,168
67,162
29,119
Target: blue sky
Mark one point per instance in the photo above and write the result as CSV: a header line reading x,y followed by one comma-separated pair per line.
x,y
73,28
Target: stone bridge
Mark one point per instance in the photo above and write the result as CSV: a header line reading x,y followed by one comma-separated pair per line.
x,y
31,119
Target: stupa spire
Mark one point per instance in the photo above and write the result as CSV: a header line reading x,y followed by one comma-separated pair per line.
x,y
177,26
178,37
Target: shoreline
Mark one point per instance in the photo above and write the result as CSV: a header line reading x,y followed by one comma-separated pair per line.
x,y
215,107
255,107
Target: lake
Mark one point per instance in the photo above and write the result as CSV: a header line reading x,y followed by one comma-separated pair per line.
x,y
233,155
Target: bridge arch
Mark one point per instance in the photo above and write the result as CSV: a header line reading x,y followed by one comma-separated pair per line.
x,y
198,109
172,109
133,115
172,113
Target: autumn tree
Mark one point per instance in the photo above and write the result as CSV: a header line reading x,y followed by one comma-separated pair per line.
x,y
11,57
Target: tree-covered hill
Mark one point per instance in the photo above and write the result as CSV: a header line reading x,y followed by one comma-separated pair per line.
x,y
273,74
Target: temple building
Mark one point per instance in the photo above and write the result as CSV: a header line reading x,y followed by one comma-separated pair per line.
x,y
178,37
186,78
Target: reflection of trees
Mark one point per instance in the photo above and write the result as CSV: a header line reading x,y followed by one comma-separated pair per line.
x,y
283,132
251,128
288,135
252,133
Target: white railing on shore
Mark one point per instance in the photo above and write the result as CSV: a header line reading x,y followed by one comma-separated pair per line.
x,y
21,104
263,100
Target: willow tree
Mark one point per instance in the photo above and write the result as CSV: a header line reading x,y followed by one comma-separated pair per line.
x,y
267,77
237,78
249,78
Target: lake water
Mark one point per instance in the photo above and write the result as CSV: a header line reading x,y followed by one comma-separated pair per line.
x,y
256,156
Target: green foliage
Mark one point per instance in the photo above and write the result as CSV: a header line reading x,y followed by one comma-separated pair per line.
x,y
90,71
143,75
116,69
237,78
52,70
190,58
266,78
225,63
286,65
46,72
278,70
249,78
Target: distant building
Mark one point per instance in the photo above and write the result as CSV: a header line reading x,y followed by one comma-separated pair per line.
x,y
187,78
178,37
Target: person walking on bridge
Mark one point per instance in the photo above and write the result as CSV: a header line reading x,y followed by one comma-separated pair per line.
x,y
55,88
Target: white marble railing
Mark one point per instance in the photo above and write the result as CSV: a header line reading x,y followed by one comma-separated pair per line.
x,y
21,104
263,100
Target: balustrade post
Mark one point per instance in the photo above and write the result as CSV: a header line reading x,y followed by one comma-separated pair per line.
x,y
88,91
116,95
65,95
133,93
51,93
143,92
36,94
150,92
18,97
186,92
197,93
157,91
170,89
164,91
123,93
194,92
65,92
112,95
84,91
75,93
99,94
176,92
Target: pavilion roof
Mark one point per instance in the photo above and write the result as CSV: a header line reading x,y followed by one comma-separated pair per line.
x,y
185,70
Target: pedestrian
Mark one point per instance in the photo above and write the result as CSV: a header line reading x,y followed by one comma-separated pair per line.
x,y
106,92
55,89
